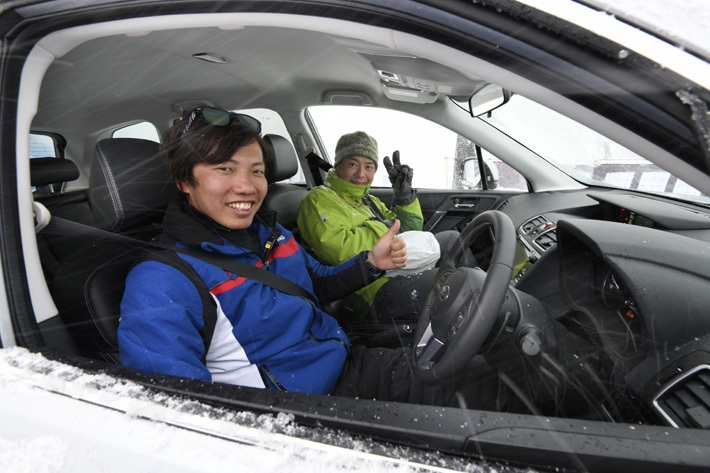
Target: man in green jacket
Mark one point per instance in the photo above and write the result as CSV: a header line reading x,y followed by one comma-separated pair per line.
x,y
340,219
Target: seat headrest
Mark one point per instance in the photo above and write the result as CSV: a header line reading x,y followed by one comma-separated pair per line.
x,y
285,158
129,187
45,171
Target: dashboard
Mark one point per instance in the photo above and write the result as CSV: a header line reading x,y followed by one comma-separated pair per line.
x,y
630,217
537,233
627,274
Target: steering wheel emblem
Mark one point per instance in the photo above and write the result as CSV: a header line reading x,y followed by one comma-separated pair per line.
x,y
444,293
449,336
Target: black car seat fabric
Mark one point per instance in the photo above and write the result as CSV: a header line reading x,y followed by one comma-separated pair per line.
x,y
47,176
129,193
284,197
285,158
89,285
129,187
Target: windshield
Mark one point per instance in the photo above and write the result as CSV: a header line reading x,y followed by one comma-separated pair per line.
x,y
584,154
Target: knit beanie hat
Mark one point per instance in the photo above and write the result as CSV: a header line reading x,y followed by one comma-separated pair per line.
x,y
357,143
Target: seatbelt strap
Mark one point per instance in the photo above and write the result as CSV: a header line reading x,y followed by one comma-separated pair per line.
x,y
379,216
209,306
315,164
248,271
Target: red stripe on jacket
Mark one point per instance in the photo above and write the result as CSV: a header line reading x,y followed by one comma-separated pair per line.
x,y
281,251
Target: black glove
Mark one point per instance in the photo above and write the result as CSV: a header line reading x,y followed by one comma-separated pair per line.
x,y
401,178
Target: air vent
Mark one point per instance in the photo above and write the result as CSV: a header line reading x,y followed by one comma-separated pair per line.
x,y
534,225
685,401
547,240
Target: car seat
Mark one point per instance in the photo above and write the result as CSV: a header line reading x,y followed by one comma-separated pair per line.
x,y
283,197
129,188
47,177
129,193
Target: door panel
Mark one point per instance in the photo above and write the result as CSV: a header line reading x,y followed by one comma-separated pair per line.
x,y
446,209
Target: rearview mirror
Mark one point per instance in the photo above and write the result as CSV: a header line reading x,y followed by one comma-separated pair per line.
x,y
486,98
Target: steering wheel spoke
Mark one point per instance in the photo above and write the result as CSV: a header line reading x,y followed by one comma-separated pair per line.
x,y
463,304
429,352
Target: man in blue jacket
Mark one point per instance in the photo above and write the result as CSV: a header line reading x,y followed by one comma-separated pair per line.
x,y
262,337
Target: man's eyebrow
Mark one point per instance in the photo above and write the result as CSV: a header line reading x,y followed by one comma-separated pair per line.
x,y
254,164
359,159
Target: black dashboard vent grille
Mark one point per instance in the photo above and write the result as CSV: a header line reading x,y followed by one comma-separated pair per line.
x,y
547,240
533,224
685,402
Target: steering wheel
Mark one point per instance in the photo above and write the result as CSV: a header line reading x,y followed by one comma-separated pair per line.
x,y
463,303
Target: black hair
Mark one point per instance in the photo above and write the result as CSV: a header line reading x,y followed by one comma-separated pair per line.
x,y
184,145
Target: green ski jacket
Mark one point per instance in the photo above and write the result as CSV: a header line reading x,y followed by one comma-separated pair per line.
x,y
337,224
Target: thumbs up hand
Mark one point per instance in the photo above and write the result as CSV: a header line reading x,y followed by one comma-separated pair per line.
x,y
390,251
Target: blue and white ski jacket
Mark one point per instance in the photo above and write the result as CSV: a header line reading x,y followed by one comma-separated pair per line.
x,y
262,337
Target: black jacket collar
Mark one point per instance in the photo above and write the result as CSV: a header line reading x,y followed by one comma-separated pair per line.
x,y
191,227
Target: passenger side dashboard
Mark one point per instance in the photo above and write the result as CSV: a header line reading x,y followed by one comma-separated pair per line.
x,y
536,217
630,274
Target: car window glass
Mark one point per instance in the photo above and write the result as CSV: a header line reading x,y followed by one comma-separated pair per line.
x,y
436,154
583,153
42,146
272,123
143,130
497,174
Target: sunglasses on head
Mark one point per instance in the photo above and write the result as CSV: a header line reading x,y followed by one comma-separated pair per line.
x,y
218,117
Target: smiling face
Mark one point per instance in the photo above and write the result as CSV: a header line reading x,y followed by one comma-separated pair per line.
x,y
230,193
356,170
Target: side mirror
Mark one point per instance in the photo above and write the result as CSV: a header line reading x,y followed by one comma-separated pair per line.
x,y
487,98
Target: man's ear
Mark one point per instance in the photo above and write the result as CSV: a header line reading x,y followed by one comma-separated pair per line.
x,y
183,187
